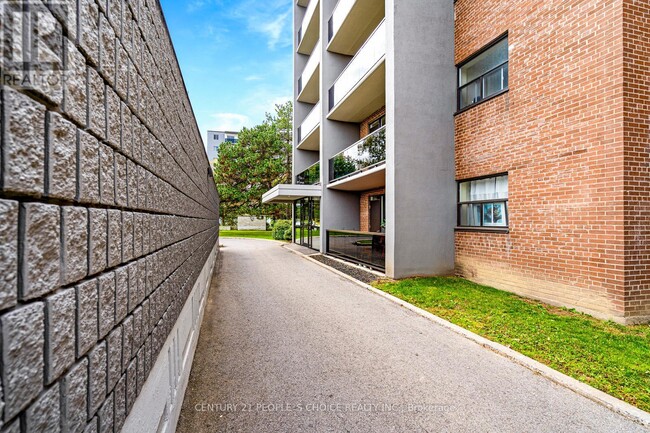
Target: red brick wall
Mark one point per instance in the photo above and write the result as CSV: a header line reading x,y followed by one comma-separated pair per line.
x,y
364,126
364,208
559,133
636,91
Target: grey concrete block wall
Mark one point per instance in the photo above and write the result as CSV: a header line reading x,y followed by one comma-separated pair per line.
x,y
108,212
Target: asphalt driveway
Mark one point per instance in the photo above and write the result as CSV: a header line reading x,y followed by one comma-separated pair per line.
x,y
288,346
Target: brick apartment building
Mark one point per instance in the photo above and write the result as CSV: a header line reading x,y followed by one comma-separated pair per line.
x,y
505,141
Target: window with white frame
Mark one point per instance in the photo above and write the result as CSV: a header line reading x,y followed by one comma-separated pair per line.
x,y
483,202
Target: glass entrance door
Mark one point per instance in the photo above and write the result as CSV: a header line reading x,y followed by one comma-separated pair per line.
x,y
307,222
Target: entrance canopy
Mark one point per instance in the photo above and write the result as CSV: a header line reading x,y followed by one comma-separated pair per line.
x,y
290,193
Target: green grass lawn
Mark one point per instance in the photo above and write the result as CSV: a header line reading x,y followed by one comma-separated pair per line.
x,y
605,355
255,234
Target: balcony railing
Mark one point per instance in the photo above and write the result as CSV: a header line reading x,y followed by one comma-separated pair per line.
x,y
363,62
366,153
310,123
361,247
310,176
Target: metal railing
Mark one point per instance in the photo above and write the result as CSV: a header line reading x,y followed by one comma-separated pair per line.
x,y
311,176
366,153
366,248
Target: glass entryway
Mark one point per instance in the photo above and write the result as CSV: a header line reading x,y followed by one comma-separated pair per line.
x,y
307,222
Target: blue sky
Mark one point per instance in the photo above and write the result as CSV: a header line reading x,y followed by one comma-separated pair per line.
x,y
236,57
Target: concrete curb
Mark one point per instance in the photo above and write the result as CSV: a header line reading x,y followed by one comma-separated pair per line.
x,y
612,403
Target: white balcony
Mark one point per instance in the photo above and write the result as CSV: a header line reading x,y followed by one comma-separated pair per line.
x,y
372,178
351,23
309,130
309,31
360,90
361,166
287,193
309,82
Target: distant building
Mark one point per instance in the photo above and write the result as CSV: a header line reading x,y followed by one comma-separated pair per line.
x,y
215,138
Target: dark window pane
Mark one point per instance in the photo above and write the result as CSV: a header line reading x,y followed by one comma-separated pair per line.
x,y
484,62
470,94
374,126
498,214
470,215
495,81
487,214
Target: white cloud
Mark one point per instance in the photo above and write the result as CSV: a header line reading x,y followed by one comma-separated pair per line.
x,y
253,78
269,18
263,100
273,29
228,121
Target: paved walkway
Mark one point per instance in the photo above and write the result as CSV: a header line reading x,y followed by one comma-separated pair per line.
x,y
288,346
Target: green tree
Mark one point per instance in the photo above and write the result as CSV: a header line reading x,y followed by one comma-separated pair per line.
x,y
372,150
259,160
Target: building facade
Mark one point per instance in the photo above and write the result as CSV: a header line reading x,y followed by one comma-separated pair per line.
x,y
506,142
215,139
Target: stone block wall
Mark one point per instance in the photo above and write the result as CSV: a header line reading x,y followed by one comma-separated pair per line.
x,y
108,210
